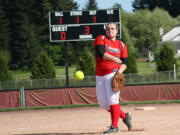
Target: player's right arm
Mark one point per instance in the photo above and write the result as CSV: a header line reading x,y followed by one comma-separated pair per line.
x,y
112,58
100,51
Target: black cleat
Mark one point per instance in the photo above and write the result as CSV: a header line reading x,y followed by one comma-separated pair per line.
x,y
112,129
127,121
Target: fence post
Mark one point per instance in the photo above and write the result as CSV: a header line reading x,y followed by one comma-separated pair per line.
x,y
46,82
143,78
175,72
156,77
22,95
31,83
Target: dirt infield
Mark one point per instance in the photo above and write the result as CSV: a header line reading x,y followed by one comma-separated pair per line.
x,y
163,120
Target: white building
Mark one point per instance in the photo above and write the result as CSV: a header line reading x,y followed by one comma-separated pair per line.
x,y
172,35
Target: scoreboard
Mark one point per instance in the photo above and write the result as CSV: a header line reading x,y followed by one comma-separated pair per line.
x,y
80,25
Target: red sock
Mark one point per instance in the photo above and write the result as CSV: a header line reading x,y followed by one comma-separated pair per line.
x,y
115,113
122,114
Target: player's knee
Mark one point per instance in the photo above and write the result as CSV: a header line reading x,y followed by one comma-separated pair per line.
x,y
104,106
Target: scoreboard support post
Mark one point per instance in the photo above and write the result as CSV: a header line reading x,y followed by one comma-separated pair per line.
x,y
66,65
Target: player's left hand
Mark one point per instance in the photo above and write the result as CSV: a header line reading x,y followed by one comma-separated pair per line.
x,y
118,82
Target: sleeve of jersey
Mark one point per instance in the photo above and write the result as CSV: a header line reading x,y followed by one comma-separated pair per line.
x,y
124,53
99,40
99,46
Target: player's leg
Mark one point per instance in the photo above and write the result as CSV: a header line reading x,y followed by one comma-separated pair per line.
x,y
113,102
100,92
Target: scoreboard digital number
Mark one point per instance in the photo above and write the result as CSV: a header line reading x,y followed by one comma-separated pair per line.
x,y
80,25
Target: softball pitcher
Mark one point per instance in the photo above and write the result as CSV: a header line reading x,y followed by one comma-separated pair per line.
x,y
111,57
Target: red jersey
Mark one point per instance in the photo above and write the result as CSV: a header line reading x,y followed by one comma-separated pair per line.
x,y
116,48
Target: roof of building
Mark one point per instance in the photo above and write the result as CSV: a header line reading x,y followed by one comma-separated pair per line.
x,y
172,35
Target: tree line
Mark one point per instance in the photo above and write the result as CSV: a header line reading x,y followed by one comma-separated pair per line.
x,y
172,6
24,35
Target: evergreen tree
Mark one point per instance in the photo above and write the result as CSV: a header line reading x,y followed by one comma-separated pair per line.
x,y
132,52
55,53
117,5
40,16
77,49
172,6
5,74
29,26
41,9
24,43
178,18
165,57
91,5
43,67
4,30
86,63
64,5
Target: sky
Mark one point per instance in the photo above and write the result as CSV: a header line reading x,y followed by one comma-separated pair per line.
x,y
105,4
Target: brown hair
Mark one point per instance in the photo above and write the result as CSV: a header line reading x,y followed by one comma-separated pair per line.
x,y
116,25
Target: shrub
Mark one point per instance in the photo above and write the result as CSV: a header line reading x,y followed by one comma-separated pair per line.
x,y
165,57
43,67
4,70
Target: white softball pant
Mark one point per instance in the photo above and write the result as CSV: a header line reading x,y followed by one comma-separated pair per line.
x,y
105,96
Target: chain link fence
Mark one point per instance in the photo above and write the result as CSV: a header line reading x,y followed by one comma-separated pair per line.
x,y
145,78
156,77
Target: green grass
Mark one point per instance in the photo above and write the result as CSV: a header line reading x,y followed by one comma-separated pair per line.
x,y
144,67
85,105
21,75
61,71
25,75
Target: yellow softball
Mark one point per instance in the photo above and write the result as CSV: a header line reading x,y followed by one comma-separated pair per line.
x,y
79,75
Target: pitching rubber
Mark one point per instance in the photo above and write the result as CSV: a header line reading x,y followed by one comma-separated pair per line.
x,y
145,108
